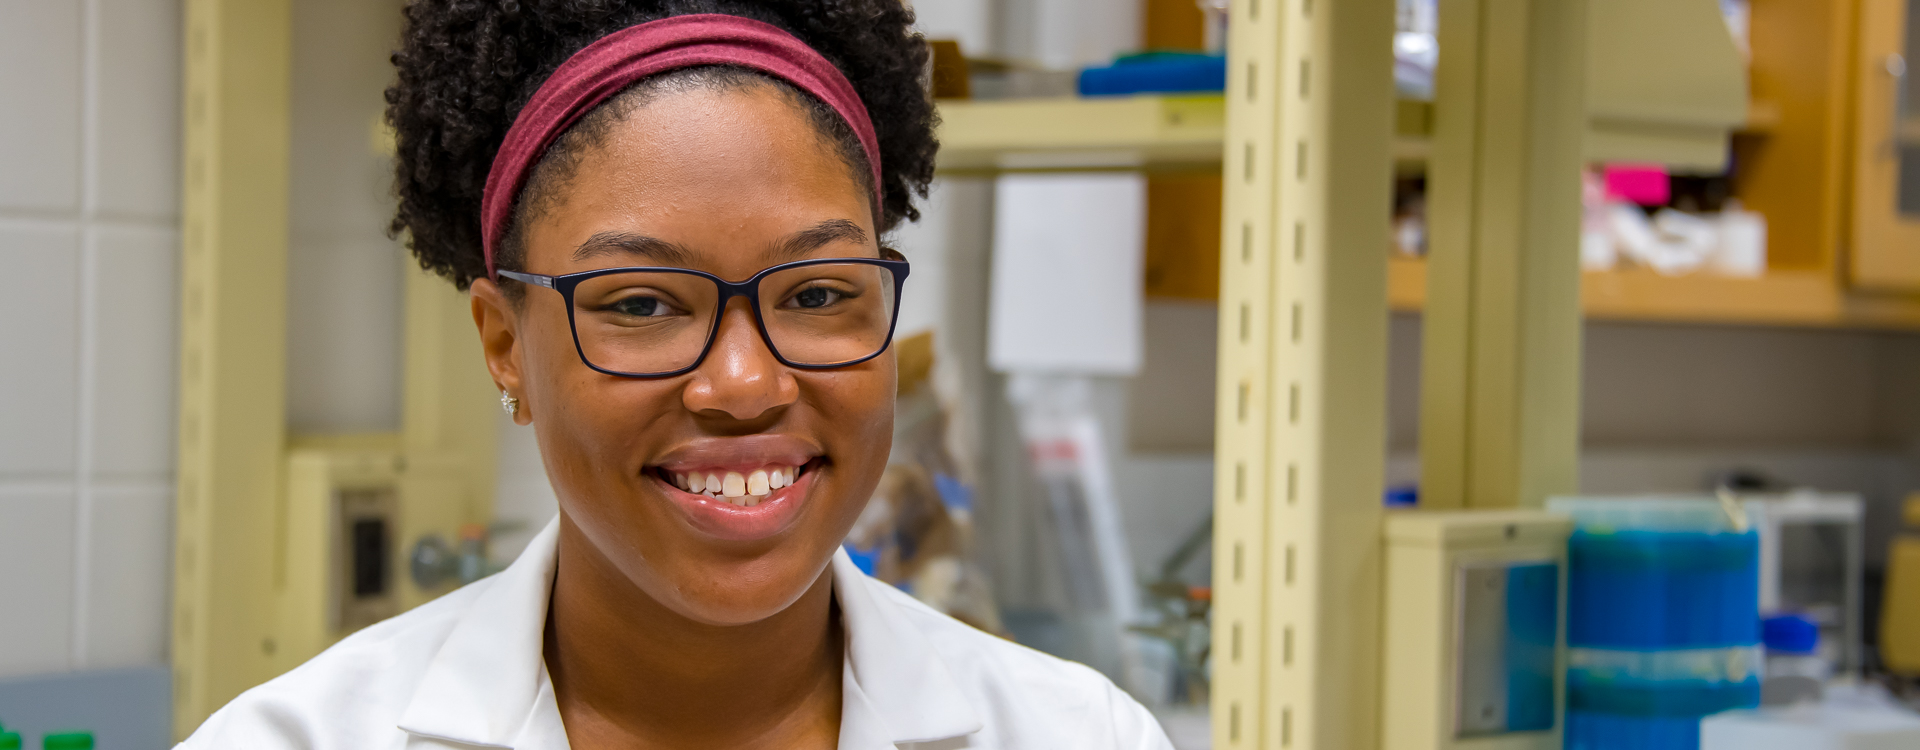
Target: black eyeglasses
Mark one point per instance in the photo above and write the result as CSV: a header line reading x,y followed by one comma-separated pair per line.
x,y
660,322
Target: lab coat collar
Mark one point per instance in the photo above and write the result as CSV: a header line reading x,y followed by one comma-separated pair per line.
x,y
892,669
482,685
485,683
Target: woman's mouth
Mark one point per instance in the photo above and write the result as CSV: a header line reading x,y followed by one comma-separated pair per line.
x,y
736,497
740,489
743,488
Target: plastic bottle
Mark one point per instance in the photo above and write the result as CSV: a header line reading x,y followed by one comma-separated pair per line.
x,y
1796,672
9,740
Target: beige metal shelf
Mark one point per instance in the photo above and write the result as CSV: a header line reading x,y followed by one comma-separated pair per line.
x,y
1157,133
1149,133
1134,132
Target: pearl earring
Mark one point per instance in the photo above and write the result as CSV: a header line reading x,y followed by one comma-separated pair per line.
x,y
509,404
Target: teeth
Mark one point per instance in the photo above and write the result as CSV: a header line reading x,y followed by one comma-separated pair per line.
x,y
746,489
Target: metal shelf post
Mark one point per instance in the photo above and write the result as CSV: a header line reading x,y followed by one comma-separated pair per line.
x,y
1301,409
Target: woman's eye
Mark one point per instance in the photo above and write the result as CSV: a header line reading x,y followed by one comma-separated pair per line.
x,y
816,297
641,307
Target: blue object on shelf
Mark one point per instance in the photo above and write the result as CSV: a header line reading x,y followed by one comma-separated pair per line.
x,y
1156,72
1663,623
1637,590
1589,730
1402,497
1790,634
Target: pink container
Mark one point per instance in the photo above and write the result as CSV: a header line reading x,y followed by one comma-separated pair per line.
x,y
1645,184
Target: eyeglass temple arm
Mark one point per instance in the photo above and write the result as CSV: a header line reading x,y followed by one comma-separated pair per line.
x,y
528,278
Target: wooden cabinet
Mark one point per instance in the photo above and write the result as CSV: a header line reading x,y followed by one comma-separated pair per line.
x,y
1884,253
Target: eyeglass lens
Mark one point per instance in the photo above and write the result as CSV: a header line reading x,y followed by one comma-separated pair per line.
x,y
659,321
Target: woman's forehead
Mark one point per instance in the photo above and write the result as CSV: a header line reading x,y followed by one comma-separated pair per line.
x,y
703,170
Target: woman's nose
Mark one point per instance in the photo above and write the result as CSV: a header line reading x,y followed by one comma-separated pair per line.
x,y
740,376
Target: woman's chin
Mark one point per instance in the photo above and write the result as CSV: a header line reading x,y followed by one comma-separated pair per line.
x,y
746,600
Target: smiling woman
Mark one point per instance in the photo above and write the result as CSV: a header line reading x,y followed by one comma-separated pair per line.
x,y
669,216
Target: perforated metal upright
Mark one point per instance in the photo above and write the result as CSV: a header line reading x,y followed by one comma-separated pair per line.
x,y
1301,412
232,349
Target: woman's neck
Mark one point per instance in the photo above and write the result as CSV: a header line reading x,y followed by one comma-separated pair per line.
x,y
629,672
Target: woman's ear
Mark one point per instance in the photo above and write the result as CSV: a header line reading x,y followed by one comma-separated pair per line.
x,y
499,322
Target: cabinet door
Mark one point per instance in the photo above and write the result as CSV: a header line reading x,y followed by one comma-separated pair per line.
x,y
1886,186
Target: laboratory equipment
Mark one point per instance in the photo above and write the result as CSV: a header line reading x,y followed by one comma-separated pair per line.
x,y
1663,622
1472,647
1811,564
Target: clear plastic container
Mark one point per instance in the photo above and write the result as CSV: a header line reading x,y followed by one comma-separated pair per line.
x,y
1796,670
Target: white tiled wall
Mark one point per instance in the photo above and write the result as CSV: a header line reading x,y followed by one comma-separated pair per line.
x,y
89,225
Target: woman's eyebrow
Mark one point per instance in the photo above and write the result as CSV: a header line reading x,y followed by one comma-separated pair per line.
x,y
627,243
798,244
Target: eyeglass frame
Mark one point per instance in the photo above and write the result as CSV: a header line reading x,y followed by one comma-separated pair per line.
x,y
565,284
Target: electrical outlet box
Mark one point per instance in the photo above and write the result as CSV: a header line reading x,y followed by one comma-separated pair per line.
x,y
336,568
1474,634
363,582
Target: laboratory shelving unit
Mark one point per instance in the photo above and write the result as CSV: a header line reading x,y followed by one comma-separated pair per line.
x,y
251,561
1311,137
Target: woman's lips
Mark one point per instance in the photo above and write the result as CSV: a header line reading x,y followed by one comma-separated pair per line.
x,y
741,453
721,519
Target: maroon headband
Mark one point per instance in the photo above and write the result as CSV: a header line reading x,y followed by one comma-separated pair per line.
x,y
620,59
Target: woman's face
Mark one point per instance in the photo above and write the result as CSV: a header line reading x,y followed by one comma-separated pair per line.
x,y
728,182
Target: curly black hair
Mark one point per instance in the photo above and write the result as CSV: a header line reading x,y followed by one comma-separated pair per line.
x,y
466,67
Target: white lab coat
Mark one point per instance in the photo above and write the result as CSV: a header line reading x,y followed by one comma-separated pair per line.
x,y
467,670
